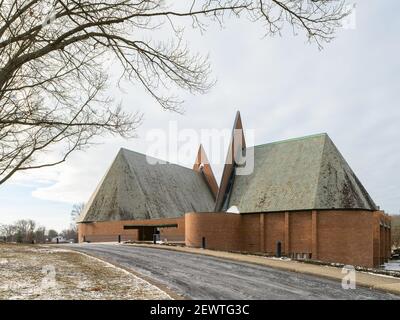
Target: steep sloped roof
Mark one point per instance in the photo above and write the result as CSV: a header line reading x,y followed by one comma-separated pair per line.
x,y
136,187
303,173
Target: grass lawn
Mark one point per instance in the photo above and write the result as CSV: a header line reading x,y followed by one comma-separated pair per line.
x,y
48,272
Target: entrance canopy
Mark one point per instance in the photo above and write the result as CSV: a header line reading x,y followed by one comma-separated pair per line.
x,y
137,226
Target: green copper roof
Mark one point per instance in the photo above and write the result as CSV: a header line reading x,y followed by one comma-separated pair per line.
x,y
298,174
133,188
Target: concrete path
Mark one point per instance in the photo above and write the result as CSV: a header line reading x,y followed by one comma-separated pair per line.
x,y
204,277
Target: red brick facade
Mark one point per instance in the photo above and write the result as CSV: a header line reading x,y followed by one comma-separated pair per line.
x,y
349,236
108,231
354,237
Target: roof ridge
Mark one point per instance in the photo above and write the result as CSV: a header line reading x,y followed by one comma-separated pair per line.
x,y
165,161
292,139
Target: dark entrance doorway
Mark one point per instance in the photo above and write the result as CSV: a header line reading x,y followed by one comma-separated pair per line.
x,y
146,232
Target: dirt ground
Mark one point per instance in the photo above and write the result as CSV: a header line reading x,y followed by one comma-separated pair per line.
x,y
47,272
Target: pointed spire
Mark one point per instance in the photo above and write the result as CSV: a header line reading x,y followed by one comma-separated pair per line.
x,y
201,158
236,146
203,165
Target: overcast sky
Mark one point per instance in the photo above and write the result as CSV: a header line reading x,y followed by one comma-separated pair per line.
x,y
284,88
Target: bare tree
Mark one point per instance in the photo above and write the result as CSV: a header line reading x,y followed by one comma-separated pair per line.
x,y
25,230
8,231
75,214
76,211
40,235
70,234
52,63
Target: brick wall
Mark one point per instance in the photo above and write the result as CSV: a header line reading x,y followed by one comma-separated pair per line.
x,y
221,230
274,231
353,237
108,231
344,236
382,237
249,233
300,227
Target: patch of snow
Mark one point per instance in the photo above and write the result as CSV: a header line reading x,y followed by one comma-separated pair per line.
x,y
233,209
380,275
148,284
28,272
281,258
393,265
46,249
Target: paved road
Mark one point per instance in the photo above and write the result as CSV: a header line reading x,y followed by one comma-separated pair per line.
x,y
203,277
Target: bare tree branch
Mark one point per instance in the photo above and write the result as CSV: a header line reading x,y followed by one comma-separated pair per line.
x,y
54,54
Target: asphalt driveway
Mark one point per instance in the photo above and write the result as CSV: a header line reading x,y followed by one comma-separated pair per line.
x,y
204,277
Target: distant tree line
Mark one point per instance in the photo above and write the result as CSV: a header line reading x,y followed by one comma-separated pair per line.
x,y
23,231
28,231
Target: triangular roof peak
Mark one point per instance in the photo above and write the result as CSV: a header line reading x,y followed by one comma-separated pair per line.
x,y
236,147
294,174
134,188
203,166
307,173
